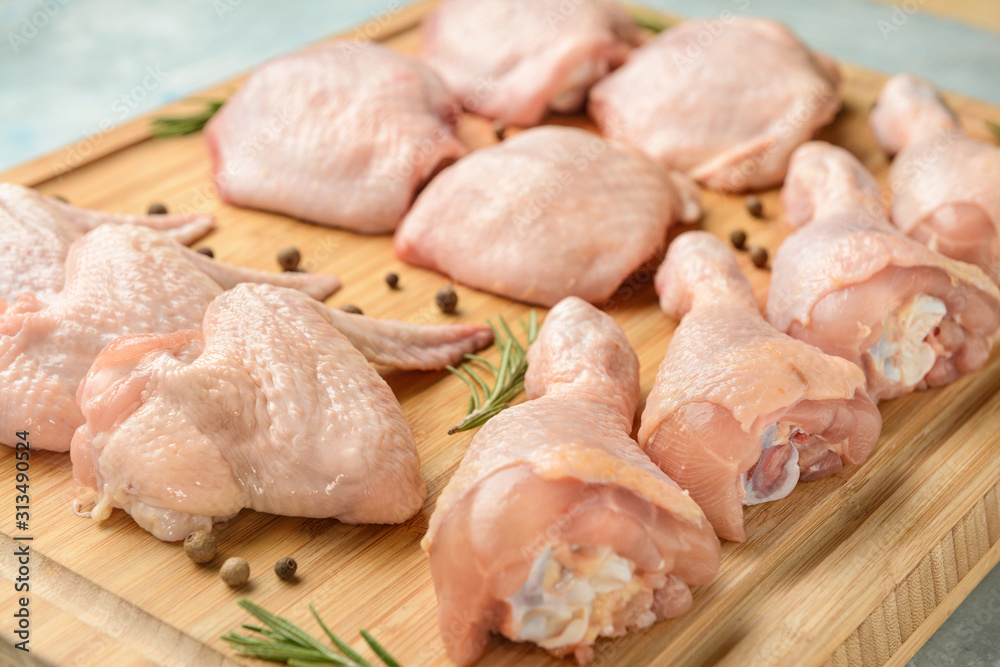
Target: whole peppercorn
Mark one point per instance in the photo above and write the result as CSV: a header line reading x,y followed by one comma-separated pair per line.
x,y
352,309
755,206
285,568
446,299
392,280
156,208
739,239
207,252
200,546
289,258
235,572
759,256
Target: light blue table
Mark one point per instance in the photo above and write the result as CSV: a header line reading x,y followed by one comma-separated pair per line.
x,y
67,66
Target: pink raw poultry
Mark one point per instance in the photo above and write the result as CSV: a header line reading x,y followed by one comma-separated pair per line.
x,y
556,528
512,60
269,406
120,279
853,285
726,101
38,231
740,412
343,135
549,213
944,182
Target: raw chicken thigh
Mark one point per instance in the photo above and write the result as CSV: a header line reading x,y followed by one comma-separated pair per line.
x,y
512,60
343,136
37,232
269,406
120,279
724,101
556,528
853,285
740,412
945,184
549,213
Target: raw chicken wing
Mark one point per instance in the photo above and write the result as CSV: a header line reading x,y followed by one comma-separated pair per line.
x,y
855,286
343,135
120,279
549,213
740,412
512,60
726,101
944,182
269,406
37,232
556,528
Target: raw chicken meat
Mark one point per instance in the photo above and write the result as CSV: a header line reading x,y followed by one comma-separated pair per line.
x,y
269,406
512,60
38,230
549,213
343,135
853,285
556,528
740,412
726,101
944,182
120,279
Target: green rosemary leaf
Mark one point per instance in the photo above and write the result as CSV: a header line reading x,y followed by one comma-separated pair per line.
x,y
650,23
344,648
178,126
290,644
379,650
508,375
995,130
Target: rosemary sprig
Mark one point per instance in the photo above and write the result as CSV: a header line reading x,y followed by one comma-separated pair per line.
x,y
648,22
508,377
178,126
288,643
995,130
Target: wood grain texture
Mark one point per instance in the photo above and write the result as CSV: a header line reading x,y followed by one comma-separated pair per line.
x,y
855,569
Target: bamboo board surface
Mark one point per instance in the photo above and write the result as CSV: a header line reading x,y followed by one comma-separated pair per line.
x,y
855,569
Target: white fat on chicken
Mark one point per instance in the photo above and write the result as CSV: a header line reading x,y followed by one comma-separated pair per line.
x,y
902,354
574,594
774,443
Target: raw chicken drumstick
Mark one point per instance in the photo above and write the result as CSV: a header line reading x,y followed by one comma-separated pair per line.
x,y
37,232
269,407
740,412
513,60
944,182
556,528
120,279
853,285
342,135
549,213
724,101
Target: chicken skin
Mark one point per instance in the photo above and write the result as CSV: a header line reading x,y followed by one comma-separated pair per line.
x,y
269,406
120,279
740,412
343,136
549,213
944,182
556,528
853,285
725,101
513,60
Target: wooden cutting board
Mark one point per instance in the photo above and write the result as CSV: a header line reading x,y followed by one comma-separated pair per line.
x,y
858,568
